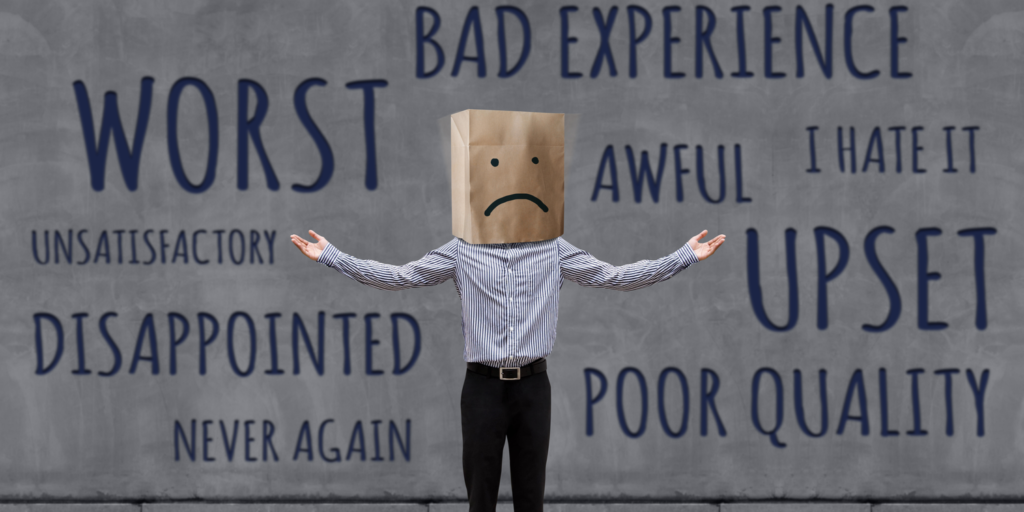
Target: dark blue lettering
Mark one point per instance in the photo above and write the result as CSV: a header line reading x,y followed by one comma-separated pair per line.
x,y
979,398
96,151
798,401
504,72
250,127
769,41
635,40
172,134
231,343
754,280
604,51
824,276
915,403
704,40
206,442
848,43
299,328
369,132
685,389
274,369
894,42
981,310
856,385
80,344
203,340
755,398
875,142
326,155
190,447
472,22
607,158
666,13
304,436
654,184
395,317
923,276
948,373
37,318
370,342
147,330
591,399
566,41
895,304
620,383
741,43
804,23
320,443
701,184
357,430
172,319
852,149
344,321
426,38
707,401
110,343
883,396
229,446
393,433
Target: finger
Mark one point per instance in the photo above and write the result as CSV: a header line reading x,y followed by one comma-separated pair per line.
x,y
314,235
702,234
299,240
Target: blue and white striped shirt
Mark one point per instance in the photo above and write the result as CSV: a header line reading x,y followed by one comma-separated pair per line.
x,y
509,292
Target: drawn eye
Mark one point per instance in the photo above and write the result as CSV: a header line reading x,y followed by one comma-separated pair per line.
x,y
535,160
494,162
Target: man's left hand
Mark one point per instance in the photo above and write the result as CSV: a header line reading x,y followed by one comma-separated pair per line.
x,y
703,250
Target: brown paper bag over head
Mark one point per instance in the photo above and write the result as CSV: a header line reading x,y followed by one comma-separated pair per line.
x,y
508,176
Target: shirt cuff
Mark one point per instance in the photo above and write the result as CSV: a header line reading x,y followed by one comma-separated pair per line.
x,y
329,255
686,255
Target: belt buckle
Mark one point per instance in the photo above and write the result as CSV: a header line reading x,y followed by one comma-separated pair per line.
x,y
501,372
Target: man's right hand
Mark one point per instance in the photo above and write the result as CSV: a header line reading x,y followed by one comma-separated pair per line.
x,y
311,250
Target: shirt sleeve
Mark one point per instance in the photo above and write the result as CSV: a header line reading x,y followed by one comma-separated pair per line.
x,y
435,267
580,267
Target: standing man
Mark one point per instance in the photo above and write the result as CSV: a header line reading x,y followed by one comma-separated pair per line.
x,y
508,268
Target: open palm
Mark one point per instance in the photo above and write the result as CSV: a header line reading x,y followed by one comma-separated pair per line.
x,y
703,250
310,249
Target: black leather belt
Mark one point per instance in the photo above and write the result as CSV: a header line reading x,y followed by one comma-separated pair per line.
x,y
509,372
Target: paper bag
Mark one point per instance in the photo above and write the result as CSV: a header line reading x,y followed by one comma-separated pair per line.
x,y
508,176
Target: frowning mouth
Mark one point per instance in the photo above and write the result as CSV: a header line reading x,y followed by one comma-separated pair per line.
x,y
513,197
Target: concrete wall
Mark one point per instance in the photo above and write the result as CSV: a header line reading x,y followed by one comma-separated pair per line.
x,y
72,433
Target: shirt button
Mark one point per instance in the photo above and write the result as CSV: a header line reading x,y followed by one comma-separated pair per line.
x,y
511,328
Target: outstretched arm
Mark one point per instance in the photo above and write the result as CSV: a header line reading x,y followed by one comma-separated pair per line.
x,y
579,266
435,267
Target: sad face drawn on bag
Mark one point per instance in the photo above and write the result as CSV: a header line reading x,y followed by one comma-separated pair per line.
x,y
512,197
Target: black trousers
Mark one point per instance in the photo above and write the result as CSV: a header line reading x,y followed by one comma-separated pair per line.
x,y
493,409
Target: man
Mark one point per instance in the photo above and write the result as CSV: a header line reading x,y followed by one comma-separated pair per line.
x,y
509,290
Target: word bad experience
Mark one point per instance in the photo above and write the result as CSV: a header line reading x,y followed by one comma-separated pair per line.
x,y
640,27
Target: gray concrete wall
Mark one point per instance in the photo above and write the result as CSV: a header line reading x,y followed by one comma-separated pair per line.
x,y
71,433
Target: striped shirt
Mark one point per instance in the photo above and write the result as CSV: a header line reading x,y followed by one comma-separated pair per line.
x,y
509,292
